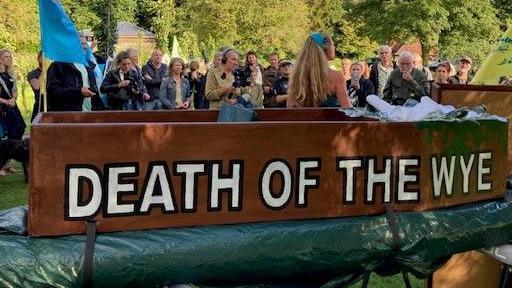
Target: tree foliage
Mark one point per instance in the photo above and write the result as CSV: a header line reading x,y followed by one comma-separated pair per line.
x,y
451,27
332,17
106,30
19,24
263,26
504,8
473,29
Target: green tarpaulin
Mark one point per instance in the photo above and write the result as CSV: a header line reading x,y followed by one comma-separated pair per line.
x,y
319,253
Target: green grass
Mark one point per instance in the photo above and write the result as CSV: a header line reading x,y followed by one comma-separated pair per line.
x,y
13,189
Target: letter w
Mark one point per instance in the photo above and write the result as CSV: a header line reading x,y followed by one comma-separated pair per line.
x,y
442,174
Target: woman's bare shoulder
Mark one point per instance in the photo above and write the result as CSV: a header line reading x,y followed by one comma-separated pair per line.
x,y
336,76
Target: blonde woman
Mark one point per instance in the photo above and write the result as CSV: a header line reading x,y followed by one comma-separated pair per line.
x,y
175,89
10,117
313,83
12,125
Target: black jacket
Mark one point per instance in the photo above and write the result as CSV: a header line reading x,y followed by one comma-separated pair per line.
x,y
358,97
117,96
153,85
63,87
374,75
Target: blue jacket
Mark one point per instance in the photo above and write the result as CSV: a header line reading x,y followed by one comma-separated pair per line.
x,y
168,92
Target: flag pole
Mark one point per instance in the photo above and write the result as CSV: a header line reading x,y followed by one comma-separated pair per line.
x,y
42,84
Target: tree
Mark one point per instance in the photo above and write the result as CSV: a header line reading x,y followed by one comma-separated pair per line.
x,y
17,25
403,21
81,13
473,30
331,17
504,8
162,22
263,26
106,30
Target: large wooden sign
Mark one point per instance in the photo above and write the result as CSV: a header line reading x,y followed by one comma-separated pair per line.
x,y
172,169
497,100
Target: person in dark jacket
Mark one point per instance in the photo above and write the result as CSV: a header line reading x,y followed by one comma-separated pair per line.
x,y
279,93
358,86
152,74
33,80
72,86
381,70
123,85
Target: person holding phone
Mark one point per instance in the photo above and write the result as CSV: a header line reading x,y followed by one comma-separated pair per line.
x,y
358,86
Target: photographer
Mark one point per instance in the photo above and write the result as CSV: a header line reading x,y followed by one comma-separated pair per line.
x,y
219,81
175,89
123,85
252,96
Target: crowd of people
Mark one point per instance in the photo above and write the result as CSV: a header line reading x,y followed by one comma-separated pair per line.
x,y
309,81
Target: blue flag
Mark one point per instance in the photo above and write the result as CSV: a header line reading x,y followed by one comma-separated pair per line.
x,y
59,36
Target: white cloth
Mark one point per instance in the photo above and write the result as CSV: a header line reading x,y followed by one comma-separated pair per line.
x,y
87,104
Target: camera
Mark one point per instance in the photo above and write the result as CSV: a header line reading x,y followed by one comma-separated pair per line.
x,y
242,77
132,88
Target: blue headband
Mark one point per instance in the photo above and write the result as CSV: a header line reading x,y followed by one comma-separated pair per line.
x,y
318,38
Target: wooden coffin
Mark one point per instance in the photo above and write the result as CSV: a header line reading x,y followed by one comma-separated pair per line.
x,y
497,99
146,170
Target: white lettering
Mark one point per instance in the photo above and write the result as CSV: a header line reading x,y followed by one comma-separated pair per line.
x,y
374,178
466,170
349,166
442,174
157,174
483,170
114,187
74,184
287,184
225,183
404,178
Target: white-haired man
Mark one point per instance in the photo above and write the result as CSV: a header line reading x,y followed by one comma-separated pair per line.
x,y
405,82
380,71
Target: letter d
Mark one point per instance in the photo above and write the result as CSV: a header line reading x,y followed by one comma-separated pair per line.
x,y
75,178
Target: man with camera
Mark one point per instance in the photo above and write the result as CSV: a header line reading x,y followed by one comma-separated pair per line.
x,y
123,85
227,82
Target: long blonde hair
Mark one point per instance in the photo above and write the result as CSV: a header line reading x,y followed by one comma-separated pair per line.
x,y
9,69
309,84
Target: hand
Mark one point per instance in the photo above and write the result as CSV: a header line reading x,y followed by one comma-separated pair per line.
x,y
146,97
148,77
356,86
231,101
406,76
86,92
11,102
227,89
124,83
94,43
282,98
266,89
186,105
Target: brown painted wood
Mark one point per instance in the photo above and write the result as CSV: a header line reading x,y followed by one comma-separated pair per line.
x,y
497,99
469,269
100,138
